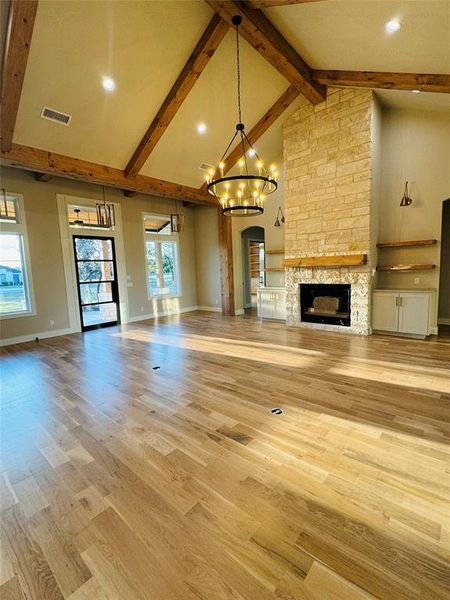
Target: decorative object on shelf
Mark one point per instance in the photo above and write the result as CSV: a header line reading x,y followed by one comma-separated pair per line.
x,y
105,213
77,222
406,200
176,220
243,194
280,218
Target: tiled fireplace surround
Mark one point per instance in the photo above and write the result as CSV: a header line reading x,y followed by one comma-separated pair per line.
x,y
328,160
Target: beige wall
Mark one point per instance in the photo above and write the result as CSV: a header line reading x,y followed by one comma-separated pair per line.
x,y
40,200
415,147
207,258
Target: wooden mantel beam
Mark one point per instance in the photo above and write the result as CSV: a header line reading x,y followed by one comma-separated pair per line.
x,y
21,18
260,33
203,52
58,165
391,81
275,111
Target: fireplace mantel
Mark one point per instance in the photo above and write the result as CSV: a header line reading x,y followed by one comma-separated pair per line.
x,y
339,260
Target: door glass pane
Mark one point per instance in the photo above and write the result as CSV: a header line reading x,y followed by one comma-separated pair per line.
x,y
168,258
99,313
93,249
96,271
95,292
13,293
152,268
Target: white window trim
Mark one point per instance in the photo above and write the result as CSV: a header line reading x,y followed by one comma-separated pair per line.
x,y
161,237
21,229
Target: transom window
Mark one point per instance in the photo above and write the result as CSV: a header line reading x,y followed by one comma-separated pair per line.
x,y
15,297
161,256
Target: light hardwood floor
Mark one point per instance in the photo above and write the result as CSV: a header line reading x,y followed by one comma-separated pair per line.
x,y
124,482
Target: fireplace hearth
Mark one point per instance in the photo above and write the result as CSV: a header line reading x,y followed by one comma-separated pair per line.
x,y
324,303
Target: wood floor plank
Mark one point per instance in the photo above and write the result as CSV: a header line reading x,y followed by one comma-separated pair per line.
x,y
120,482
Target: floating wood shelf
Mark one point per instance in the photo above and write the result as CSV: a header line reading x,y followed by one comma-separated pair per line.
x,y
404,244
425,267
347,260
275,270
276,251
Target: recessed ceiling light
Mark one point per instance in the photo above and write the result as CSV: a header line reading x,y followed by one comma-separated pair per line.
x,y
392,26
108,84
252,152
201,128
415,91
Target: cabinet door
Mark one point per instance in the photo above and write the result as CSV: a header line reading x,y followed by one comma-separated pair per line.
x,y
265,305
413,313
280,306
385,311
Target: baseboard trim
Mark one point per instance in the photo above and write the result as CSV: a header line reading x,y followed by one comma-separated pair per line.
x,y
443,321
434,330
210,308
32,336
239,311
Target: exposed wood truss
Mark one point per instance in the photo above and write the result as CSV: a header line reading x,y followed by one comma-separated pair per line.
x,y
203,52
34,159
17,47
275,111
226,263
393,81
268,41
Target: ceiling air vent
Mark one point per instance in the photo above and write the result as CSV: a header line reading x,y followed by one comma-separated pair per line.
x,y
55,115
206,167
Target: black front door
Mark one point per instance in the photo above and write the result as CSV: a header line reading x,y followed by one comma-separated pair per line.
x,y
98,292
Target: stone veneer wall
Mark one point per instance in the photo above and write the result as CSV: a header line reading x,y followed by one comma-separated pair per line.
x,y
328,180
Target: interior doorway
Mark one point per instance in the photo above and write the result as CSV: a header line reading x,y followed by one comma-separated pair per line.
x,y
444,276
96,271
253,263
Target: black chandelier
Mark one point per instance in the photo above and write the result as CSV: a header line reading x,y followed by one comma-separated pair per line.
x,y
243,194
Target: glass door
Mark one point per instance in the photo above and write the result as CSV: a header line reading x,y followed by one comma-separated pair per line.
x,y
98,293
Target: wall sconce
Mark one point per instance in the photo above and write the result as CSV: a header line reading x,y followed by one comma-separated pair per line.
x,y
406,200
176,220
280,218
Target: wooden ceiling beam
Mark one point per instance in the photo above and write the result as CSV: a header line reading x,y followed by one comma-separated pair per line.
x,y
260,33
275,111
203,52
21,18
58,165
390,81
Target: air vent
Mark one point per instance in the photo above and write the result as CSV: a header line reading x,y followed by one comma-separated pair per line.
x,y
55,115
206,167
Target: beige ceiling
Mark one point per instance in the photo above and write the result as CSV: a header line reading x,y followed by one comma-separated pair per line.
x,y
143,45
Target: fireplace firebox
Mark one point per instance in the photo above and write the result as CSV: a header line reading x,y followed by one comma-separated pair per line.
x,y
325,303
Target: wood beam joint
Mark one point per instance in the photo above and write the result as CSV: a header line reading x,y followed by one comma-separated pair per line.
x,y
260,33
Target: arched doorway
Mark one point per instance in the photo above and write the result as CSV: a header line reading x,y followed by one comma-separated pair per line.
x,y
253,263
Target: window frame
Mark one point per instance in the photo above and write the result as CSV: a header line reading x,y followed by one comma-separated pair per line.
x,y
20,229
161,238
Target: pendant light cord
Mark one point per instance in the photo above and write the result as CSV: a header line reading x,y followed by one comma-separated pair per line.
x,y
238,75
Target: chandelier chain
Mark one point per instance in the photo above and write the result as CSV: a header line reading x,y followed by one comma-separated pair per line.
x,y
238,74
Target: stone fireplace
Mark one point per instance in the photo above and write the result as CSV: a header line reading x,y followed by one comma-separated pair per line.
x,y
330,155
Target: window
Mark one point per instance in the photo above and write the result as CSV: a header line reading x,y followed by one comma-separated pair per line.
x,y
161,255
14,288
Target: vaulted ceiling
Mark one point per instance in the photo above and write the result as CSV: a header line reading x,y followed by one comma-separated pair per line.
x,y
144,45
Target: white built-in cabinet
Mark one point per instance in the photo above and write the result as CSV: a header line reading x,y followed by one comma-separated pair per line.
x,y
402,311
271,303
